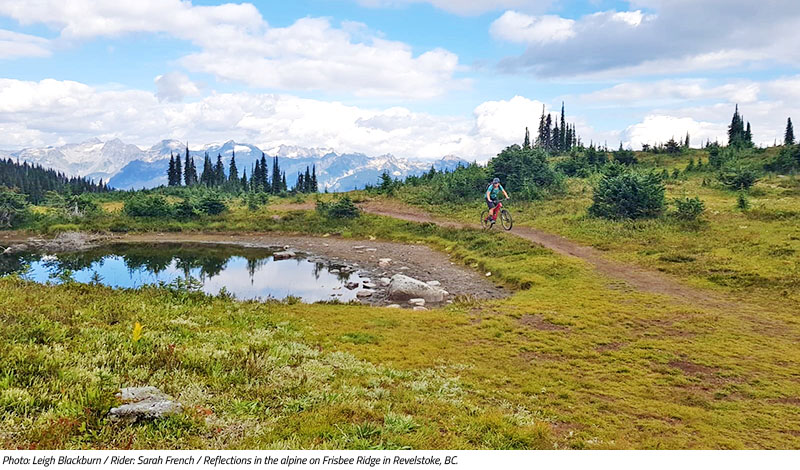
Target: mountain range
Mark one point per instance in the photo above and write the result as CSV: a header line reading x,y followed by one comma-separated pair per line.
x,y
126,166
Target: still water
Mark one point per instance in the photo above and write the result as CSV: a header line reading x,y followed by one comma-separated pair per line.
x,y
246,273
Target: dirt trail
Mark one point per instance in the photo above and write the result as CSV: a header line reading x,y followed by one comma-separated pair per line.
x,y
638,278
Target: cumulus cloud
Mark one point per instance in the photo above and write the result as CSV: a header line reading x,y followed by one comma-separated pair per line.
x,y
518,27
236,44
676,33
14,45
174,86
51,111
656,129
642,93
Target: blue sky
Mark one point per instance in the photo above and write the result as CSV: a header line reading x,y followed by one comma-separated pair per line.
x,y
416,78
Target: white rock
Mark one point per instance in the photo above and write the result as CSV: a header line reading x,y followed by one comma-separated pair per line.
x,y
283,255
364,293
371,249
488,274
359,247
368,285
434,283
403,287
385,281
393,306
420,308
143,403
419,302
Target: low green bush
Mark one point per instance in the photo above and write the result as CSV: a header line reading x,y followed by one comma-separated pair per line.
x,y
148,205
628,195
688,208
344,208
738,176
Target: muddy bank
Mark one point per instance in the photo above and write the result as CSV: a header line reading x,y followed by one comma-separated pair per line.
x,y
14,242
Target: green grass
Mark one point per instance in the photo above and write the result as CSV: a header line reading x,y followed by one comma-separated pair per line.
x,y
600,367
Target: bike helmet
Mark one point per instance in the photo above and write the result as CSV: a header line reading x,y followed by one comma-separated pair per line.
x,y
496,180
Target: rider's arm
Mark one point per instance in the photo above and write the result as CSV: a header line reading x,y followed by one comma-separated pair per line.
x,y
505,193
488,194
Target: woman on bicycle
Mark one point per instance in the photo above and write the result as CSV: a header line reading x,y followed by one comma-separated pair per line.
x,y
492,192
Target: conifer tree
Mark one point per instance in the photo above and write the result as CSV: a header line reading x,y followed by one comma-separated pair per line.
x,y
219,172
540,138
687,142
283,182
526,144
233,172
307,181
562,136
178,170
548,130
748,135
788,136
263,180
300,184
244,180
276,173
207,176
171,171
189,170
314,186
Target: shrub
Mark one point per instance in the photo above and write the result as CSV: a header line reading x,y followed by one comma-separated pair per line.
x,y
625,157
13,208
524,171
186,209
629,195
147,205
212,204
344,208
688,209
62,228
737,176
742,202
788,160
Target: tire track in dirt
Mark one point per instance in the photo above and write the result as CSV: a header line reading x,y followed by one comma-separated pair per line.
x,y
638,278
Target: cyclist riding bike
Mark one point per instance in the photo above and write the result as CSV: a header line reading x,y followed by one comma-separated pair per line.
x,y
492,193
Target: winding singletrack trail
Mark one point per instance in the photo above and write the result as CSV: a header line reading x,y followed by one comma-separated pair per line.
x,y
638,278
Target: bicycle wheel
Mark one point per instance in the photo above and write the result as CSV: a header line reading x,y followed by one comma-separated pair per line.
x,y
485,223
505,219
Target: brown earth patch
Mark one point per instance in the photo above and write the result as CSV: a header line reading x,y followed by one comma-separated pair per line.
x,y
538,322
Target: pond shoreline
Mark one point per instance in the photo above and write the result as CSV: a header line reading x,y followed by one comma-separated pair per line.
x,y
376,259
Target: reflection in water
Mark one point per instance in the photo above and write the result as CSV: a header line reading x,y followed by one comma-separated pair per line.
x,y
244,272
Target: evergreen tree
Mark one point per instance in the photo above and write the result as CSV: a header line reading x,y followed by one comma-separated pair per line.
x,y
244,180
687,142
256,178
562,136
736,133
283,182
178,170
556,144
540,138
788,137
189,170
233,172
314,185
264,176
219,172
300,184
207,176
548,131
748,135
307,181
277,186
171,171
526,144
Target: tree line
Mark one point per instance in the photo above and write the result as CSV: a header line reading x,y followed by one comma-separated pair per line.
x,y
35,181
261,178
553,137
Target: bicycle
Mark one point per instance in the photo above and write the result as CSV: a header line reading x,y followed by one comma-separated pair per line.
x,y
505,218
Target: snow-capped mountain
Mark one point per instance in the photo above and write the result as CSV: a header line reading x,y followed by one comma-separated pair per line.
x,y
126,166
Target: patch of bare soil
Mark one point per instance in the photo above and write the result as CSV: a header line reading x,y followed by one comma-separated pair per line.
x,y
538,322
636,277
377,259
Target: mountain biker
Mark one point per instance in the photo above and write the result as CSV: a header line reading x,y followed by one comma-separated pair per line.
x,y
492,192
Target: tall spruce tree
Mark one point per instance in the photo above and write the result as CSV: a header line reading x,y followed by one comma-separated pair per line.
x,y
178,170
307,181
171,171
244,182
233,172
219,171
300,184
276,173
526,144
748,135
562,136
788,136
189,170
255,179
284,187
207,176
264,176
314,185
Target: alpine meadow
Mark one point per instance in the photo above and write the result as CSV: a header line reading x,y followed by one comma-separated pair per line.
x,y
419,225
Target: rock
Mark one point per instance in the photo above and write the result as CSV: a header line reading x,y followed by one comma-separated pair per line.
x,y
359,247
403,287
364,293
371,249
351,285
384,262
434,283
393,306
283,255
334,271
488,274
420,308
418,302
368,285
143,403
385,281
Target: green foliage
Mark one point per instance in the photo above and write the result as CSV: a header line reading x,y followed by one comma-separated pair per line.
x,y
256,200
147,205
742,201
344,208
625,157
688,209
738,176
13,208
186,209
212,204
525,172
787,160
629,195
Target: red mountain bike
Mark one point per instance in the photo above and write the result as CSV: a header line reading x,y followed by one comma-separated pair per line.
x,y
505,218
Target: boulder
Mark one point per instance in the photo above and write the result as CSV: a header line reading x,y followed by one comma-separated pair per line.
x,y
403,287
417,302
384,262
143,403
434,283
283,255
393,306
418,308
364,293
351,285
368,285
385,281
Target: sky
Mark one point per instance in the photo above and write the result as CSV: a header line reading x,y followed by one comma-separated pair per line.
x,y
414,78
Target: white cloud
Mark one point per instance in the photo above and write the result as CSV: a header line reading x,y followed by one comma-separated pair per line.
x,y
13,45
643,93
236,44
656,129
678,36
174,86
522,28
465,7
